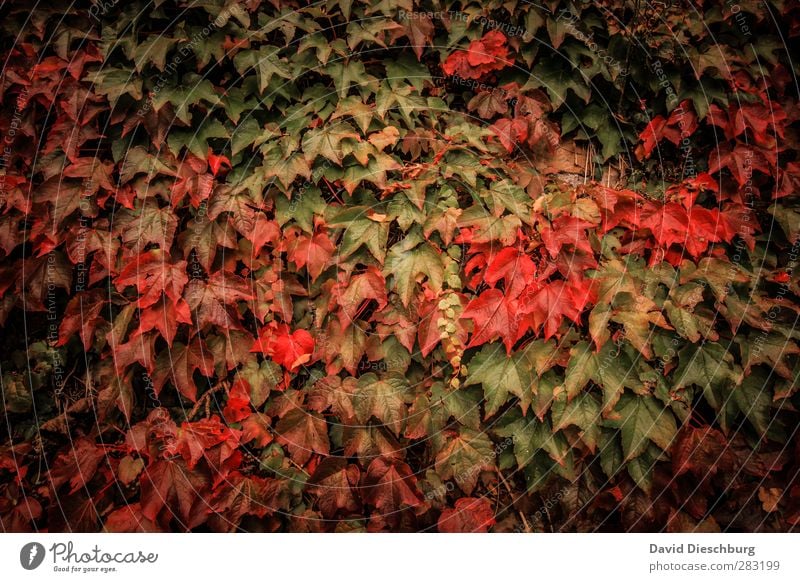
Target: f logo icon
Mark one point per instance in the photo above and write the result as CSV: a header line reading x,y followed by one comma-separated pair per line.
x,y
31,555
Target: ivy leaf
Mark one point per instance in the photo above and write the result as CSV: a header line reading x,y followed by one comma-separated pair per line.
x,y
171,484
304,433
494,316
266,63
179,364
753,398
469,515
709,366
611,368
411,260
285,168
464,456
152,273
334,484
213,301
583,412
313,252
384,398
390,486
291,349
642,420
325,141
501,375
347,74
361,230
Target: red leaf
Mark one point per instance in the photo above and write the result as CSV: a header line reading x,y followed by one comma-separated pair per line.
x,y
548,305
195,438
179,365
130,519
333,484
152,272
165,317
514,267
213,301
304,433
470,515
216,162
315,252
390,486
238,405
82,315
290,350
172,485
487,54
494,316
249,495
255,429
360,288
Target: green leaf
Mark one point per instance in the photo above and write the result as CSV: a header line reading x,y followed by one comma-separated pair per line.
x,y
325,141
530,436
346,75
384,398
642,419
411,260
266,63
612,368
500,375
285,168
710,366
583,412
464,456
753,398
361,230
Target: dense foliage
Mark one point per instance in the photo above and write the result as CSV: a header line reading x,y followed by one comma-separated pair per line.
x,y
392,265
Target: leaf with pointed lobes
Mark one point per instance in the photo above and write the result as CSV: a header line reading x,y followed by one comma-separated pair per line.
x,y
548,305
484,55
247,495
238,406
193,439
501,375
164,316
152,272
681,123
179,364
213,301
334,484
360,288
313,252
514,267
390,485
304,433
82,315
469,515
171,485
494,316
409,261
566,230
703,451
290,349
217,162
464,455
510,132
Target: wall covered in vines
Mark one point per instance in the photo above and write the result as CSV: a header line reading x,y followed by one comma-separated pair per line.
x,y
391,265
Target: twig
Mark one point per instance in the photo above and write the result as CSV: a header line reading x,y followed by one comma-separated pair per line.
x,y
521,515
204,398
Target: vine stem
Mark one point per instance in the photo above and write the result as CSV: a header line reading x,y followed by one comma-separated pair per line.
x,y
511,493
204,398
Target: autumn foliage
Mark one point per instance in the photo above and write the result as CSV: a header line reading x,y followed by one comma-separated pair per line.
x,y
269,266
